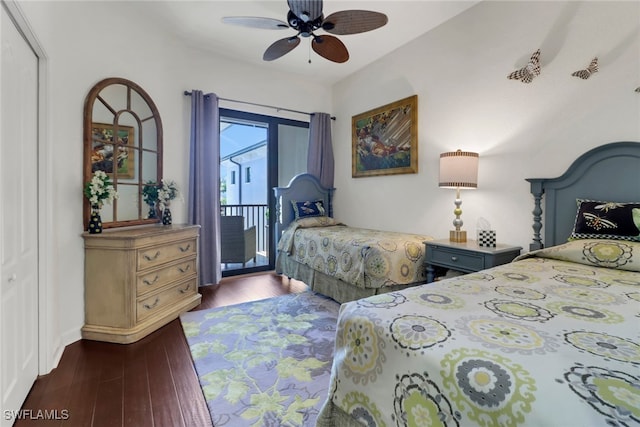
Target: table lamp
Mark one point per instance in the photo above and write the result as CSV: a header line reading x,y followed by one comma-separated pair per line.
x,y
458,169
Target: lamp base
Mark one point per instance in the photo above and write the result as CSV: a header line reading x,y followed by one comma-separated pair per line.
x,y
458,236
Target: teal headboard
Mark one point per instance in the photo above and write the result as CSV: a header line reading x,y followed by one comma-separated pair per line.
x,y
610,172
301,188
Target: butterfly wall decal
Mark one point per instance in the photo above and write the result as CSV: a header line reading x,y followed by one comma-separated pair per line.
x,y
586,73
528,72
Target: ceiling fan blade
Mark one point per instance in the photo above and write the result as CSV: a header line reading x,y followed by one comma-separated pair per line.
x,y
256,22
353,21
307,10
331,48
280,48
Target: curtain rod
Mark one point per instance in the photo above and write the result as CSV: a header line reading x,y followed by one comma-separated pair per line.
x,y
187,93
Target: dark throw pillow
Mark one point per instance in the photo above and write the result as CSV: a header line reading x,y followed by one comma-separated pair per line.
x,y
308,208
607,220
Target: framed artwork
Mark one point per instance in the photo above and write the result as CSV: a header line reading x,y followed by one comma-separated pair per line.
x,y
108,149
385,139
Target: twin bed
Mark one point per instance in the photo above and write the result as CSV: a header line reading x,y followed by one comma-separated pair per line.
x,y
342,262
551,339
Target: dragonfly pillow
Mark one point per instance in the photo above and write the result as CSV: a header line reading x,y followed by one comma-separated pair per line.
x,y
308,208
607,220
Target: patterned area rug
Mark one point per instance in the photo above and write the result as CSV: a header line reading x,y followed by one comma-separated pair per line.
x,y
267,362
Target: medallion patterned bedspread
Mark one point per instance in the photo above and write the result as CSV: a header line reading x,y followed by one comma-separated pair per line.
x,y
551,339
361,257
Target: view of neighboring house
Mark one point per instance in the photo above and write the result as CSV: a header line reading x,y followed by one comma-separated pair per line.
x,y
243,165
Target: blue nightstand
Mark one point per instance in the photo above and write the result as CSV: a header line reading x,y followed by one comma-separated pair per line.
x,y
465,257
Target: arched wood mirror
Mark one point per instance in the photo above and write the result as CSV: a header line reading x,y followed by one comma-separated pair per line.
x,y
122,137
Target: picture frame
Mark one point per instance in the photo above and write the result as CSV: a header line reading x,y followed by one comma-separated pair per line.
x,y
105,147
385,139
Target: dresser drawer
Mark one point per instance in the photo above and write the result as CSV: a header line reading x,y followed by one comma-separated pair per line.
x,y
157,255
457,260
156,279
155,303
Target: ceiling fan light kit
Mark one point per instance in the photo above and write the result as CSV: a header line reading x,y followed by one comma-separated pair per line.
x,y
306,17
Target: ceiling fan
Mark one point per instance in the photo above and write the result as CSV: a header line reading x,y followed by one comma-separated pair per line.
x,y
306,17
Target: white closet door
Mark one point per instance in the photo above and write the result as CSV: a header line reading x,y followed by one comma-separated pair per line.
x,y
18,218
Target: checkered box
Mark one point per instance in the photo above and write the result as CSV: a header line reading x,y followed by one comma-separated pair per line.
x,y
487,238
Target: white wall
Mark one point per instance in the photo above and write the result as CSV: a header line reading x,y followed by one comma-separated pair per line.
x,y
465,101
84,47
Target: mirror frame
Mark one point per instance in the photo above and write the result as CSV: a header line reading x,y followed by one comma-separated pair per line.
x,y
90,100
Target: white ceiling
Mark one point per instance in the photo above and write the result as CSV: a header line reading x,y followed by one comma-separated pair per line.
x,y
198,23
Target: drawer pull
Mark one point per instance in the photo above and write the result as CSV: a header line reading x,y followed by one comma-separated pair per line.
x,y
151,258
149,307
186,289
185,249
185,269
454,258
151,282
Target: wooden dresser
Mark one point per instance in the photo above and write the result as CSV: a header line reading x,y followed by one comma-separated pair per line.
x,y
138,279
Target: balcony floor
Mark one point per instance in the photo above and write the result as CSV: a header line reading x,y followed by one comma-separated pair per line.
x,y
261,260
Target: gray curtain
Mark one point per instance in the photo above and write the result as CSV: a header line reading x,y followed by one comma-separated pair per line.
x,y
204,172
320,159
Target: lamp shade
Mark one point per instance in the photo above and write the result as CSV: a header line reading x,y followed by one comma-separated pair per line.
x,y
458,169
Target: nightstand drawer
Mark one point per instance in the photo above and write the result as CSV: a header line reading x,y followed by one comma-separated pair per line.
x,y
465,257
455,259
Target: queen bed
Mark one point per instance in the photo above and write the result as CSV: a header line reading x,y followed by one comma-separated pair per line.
x,y
551,339
342,262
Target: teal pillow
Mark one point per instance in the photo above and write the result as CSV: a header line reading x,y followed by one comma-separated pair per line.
x,y
607,220
308,208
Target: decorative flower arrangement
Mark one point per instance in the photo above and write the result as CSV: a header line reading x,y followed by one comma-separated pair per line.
x,y
100,190
167,192
150,193
150,197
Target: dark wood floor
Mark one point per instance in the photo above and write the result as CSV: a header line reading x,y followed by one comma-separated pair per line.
x,y
148,383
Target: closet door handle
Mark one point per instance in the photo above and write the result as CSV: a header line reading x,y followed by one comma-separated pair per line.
x,y
151,258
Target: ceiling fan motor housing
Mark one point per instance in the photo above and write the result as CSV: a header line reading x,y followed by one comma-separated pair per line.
x,y
304,27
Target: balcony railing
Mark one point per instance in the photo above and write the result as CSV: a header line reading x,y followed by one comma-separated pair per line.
x,y
253,215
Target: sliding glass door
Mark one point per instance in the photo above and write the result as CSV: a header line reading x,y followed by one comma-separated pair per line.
x,y
257,153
